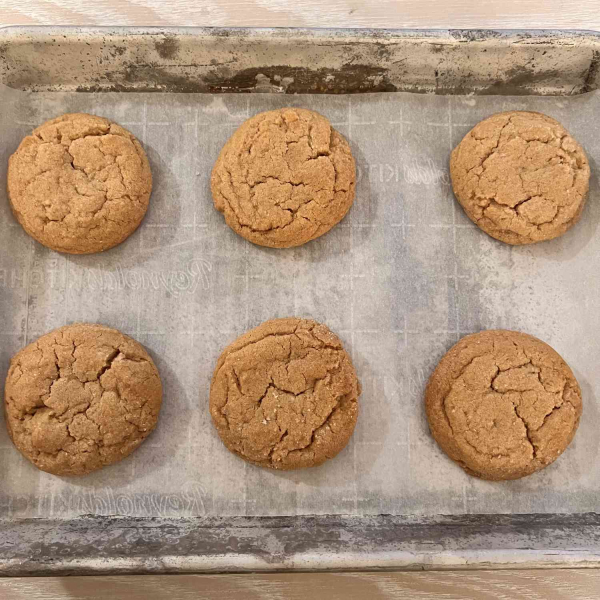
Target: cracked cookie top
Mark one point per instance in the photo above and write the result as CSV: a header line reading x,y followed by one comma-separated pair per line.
x,y
285,177
80,398
79,184
520,177
285,395
503,404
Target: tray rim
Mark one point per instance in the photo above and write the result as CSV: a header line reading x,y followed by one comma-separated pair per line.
x,y
164,72
378,34
538,540
117,545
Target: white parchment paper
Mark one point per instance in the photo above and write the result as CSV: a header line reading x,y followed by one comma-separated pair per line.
x,y
400,280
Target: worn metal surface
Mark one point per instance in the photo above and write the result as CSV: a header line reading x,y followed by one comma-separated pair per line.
x,y
343,61
136,545
299,60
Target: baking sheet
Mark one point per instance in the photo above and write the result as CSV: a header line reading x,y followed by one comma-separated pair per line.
x,y
399,280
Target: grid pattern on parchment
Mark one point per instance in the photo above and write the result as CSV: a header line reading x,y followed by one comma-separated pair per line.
x,y
400,280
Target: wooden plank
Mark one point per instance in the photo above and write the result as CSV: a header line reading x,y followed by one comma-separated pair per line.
x,y
308,13
514,585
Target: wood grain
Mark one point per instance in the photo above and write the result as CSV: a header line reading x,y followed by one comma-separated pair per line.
x,y
584,14
581,584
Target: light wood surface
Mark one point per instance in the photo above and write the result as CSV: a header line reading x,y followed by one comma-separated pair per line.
x,y
532,585
565,584
562,14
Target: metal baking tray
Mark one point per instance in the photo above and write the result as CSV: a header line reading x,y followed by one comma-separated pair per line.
x,y
297,61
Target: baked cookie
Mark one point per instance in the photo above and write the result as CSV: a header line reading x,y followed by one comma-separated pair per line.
x,y
502,404
285,395
285,177
79,184
80,398
520,177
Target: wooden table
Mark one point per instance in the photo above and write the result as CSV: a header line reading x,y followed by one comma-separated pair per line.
x,y
543,585
560,14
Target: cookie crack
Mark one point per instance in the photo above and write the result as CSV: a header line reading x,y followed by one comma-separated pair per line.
x,y
277,446
492,150
284,435
529,430
293,213
575,165
99,132
251,188
84,409
109,361
322,344
77,206
326,423
270,386
308,391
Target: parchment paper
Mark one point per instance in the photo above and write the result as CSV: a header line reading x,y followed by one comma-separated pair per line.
x,y
400,280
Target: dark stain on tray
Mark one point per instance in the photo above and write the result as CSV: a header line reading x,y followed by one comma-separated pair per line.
x,y
519,81
118,50
349,79
167,48
592,76
475,35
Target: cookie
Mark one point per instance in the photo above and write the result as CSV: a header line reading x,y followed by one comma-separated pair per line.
x,y
285,395
502,404
79,184
80,398
520,177
285,177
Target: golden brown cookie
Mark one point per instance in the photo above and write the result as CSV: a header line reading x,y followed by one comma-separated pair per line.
x,y
502,404
285,177
520,177
79,184
80,398
285,395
